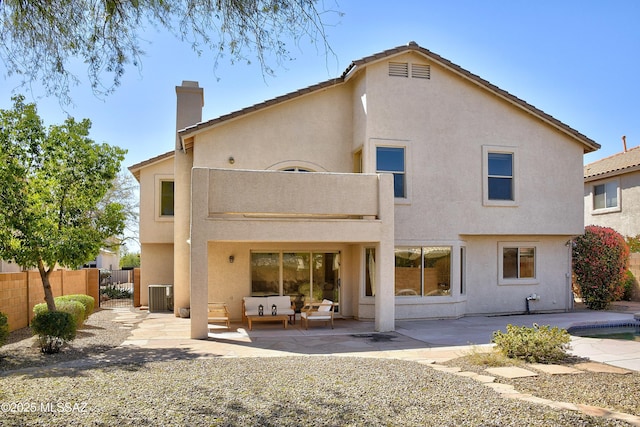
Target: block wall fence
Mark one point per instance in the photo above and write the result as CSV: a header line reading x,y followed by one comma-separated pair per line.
x,y
19,292
634,266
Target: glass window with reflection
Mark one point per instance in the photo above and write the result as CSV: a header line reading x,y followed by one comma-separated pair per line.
x,y
392,160
423,271
265,274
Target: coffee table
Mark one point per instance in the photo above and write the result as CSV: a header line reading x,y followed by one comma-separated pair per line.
x,y
268,318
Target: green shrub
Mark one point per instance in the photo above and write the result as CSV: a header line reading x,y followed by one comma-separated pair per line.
x,y
87,301
628,284
634,243
115,293
600,259
74,308
53,328
541,344
4,328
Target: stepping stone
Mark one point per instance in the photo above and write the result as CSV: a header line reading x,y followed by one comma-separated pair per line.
x,y
602,368
511,372
555,369
505,389
451,369
477,377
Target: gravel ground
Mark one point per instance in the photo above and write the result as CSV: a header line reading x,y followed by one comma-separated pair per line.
x,y
292,391
613,391
98,335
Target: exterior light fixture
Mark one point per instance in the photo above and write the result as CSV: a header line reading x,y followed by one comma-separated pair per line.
x,y
231,160
231,259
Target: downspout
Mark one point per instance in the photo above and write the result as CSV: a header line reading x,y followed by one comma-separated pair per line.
x,y
569,275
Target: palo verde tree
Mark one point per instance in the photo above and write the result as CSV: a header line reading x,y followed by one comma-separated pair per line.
x,y
40,38
53,180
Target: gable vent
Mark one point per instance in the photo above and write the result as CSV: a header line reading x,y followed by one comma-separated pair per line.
x,y
399,69
420,71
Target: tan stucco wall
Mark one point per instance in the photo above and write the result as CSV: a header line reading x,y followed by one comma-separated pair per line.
x,y
229,282
485,295
314,129
625,221
156,267
153,228
444,122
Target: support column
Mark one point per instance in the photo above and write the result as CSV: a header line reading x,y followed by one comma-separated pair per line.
x,y
385,309
199,265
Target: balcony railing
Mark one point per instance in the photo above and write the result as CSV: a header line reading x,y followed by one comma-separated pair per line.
x,y
277,194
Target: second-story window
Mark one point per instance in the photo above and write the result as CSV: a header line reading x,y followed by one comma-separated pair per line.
x,y
605,195
392,160
166,198
500,177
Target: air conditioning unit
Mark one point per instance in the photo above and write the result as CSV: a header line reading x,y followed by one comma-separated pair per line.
x,y
160,298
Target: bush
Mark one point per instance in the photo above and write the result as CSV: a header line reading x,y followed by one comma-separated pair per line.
x,y
600,258
541,344
627,286
4,328
53,328
634,243
74,308
115,293
87,301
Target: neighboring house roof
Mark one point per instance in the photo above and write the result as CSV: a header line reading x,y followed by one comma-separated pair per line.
x,y
589,145
135,169
627,161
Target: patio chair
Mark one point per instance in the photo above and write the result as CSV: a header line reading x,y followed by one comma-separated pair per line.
x,y
218,313
317,311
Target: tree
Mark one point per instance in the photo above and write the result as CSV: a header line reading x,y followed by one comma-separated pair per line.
x,y
53,180
130,260
40,38
123,190
600,258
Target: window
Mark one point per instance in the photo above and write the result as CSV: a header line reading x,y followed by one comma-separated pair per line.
x,y
166,198
605,196
370,272
423,271
517,263
392,160
463,285
302,275
500,176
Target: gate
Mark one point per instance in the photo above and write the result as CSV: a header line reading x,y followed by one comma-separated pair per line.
x,y
116,288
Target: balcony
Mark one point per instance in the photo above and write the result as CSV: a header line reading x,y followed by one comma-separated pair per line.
x,y
277,206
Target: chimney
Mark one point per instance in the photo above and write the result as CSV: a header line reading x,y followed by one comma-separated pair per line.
x,y
189,103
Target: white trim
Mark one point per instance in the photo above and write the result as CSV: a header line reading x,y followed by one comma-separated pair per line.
x,y
511,281
605,210
486,149
395,143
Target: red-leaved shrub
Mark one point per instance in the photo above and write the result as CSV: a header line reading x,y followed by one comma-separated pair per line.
x,y
600,258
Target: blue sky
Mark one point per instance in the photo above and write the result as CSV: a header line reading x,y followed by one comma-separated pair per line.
x,y
577,60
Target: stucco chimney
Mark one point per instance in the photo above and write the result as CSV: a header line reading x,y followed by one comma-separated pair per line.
x,y
189,103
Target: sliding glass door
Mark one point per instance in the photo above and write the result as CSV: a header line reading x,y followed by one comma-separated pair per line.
x,y
301,275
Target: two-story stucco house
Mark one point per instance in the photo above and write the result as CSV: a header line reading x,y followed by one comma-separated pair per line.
x,y
406,188
612,192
